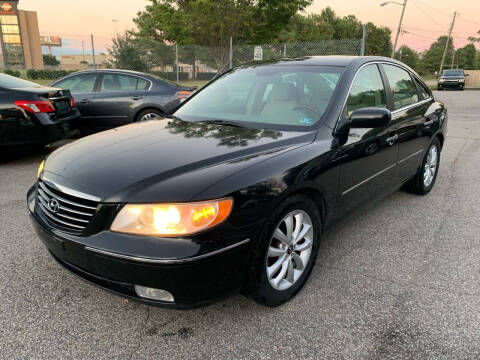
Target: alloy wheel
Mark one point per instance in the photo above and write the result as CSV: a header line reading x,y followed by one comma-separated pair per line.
x,y
289,250
430,166
148,116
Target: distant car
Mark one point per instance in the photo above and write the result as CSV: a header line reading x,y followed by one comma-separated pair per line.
x,y
452,78
32,115
110,98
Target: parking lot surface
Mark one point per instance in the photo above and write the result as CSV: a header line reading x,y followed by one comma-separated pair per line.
x,y
399,280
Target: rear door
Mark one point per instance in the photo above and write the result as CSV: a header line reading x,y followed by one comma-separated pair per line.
x,y
412,119
119,96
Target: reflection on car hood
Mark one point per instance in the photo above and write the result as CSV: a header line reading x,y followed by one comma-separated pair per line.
x,y
163,160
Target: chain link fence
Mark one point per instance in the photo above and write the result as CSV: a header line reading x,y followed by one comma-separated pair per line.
x,y
192,62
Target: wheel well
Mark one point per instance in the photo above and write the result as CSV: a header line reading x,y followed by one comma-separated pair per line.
x,y
441,139
317,198
147,108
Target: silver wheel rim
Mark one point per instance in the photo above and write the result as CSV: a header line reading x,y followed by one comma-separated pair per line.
x,y
289,250
149,116
430,166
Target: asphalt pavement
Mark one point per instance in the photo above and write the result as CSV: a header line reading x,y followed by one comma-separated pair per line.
x,y
398,280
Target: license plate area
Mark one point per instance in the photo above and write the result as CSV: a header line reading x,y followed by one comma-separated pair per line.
x,y
62,107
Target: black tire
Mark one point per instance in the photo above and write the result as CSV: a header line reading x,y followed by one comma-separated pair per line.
x,y
259,287
461,87
417,185
154,112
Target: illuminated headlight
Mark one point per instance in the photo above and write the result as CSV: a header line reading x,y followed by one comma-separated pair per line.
x,y
171,219
441,80
40,168
461,80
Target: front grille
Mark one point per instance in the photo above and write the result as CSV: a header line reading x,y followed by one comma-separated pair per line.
x,y
64,211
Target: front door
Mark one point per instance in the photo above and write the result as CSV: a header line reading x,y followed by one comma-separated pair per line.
x,y
368,156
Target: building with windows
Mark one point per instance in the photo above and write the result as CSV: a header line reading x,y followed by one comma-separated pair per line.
x,y
19,37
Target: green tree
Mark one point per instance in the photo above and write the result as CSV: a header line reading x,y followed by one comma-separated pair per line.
x,y
408,56
212,22
128,54
431,59
466,57
50,60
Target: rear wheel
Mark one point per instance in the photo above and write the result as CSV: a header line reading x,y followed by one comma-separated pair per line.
x,y
286,252
149,114
426,176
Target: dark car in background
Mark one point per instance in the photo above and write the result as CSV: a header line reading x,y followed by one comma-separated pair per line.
x,y
32,115
452,78
235,188
111,98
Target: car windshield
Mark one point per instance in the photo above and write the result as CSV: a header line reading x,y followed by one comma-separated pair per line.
x,y
453,73
288,96
12,82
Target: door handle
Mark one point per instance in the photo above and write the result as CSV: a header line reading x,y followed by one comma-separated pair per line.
x,y
428,123
137,97
391,140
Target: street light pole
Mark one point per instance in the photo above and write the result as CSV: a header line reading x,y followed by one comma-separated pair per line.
x,y
404,5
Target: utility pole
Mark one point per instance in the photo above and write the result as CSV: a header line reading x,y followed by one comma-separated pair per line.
x,y
446,44
93,52
399,28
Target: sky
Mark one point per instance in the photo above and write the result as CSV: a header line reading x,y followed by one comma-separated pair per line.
x,y
424,21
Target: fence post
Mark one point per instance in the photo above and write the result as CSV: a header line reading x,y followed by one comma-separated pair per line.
x,y
284,50
231,52
364,39
176,61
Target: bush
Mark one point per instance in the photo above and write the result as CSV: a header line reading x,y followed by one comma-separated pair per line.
x,y
15,73
205,75
46,74
172,76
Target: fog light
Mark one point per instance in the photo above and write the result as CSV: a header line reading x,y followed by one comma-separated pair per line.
x,y
154,294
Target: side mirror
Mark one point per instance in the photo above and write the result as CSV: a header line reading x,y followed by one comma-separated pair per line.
x,y
370,118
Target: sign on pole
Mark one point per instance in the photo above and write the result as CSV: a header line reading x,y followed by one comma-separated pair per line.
x,y
258,53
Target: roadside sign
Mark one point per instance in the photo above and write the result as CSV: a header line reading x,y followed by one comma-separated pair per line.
x,y
258,53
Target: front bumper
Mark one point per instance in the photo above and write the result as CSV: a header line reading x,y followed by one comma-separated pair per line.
x,y
193,281
451,84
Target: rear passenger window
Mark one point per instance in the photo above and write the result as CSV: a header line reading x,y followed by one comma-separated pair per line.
x,y
142,84
367,90
404,91
424,93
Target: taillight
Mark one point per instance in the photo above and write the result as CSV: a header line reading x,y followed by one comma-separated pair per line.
x,y
36,106
72,102
183,94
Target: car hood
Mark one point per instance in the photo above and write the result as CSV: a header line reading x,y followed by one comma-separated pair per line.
x,y
163,160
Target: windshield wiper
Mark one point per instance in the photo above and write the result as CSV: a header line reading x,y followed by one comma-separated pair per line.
x,y
221,122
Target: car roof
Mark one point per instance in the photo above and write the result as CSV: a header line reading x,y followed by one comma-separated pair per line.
x,y
119,71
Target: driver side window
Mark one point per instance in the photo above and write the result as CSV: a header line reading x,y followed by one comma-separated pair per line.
x,y
367,90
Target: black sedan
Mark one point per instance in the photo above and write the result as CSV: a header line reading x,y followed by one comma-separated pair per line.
x,y
32,115
110,98
452,78
234,189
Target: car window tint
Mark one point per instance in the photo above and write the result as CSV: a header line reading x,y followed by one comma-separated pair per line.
x,y
77,84
142,84
278,95
424,93
404,91
367,90
118,82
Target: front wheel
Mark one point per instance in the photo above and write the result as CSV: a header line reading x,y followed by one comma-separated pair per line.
x,y
424,180
149,114
286,252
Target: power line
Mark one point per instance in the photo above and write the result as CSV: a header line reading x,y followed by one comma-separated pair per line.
x,y
428,15
434,8
418,35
